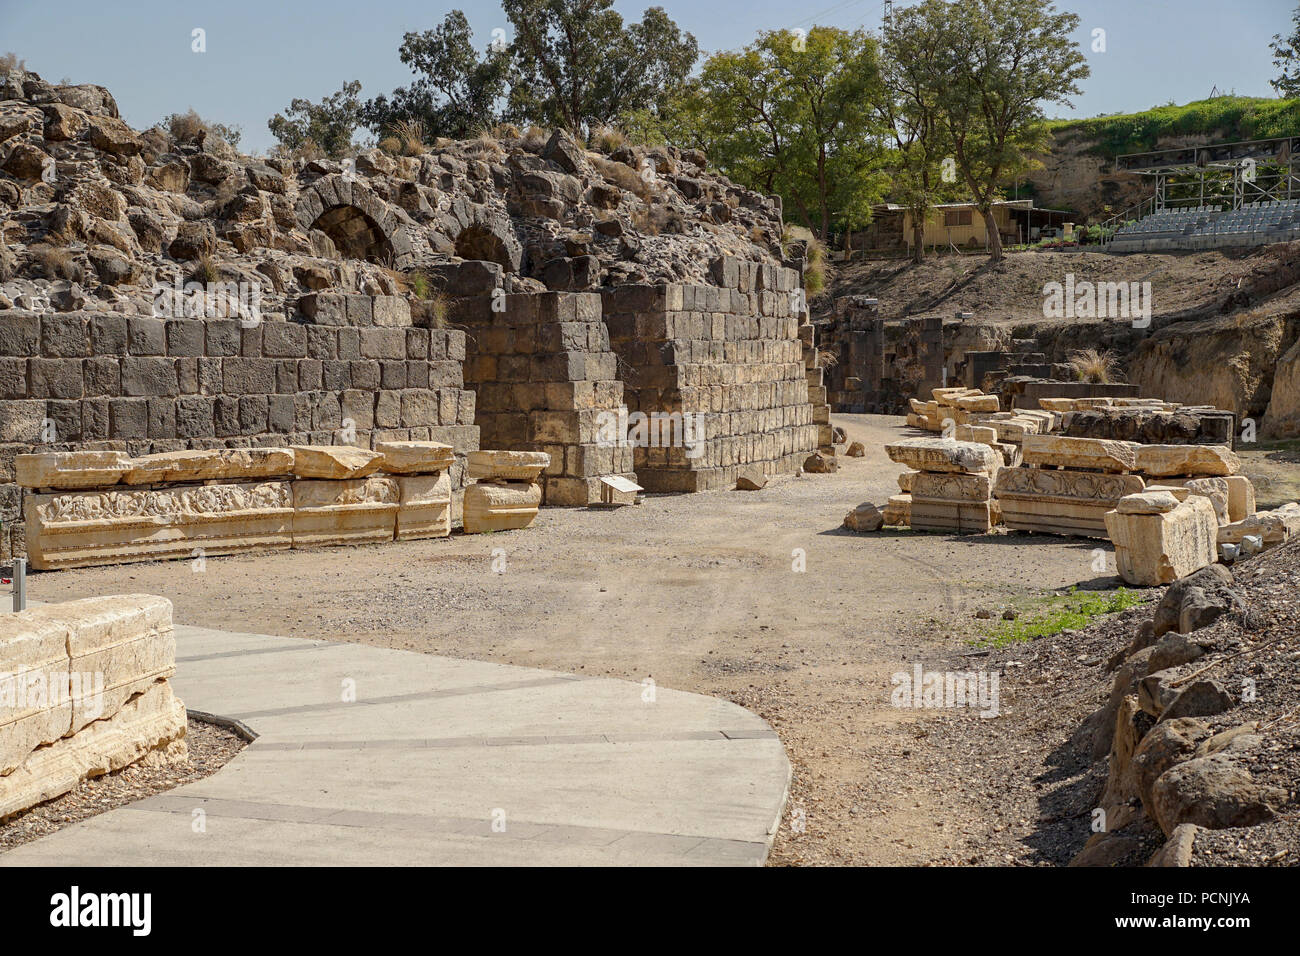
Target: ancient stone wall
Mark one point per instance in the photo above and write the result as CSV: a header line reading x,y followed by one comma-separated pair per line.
x,y
728,355
546,380
351,369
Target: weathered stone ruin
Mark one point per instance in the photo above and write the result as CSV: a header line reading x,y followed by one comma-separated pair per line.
x,y
103,507
85,690
506,494
160,296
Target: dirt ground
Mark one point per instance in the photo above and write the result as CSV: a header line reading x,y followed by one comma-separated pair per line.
x,y
700,593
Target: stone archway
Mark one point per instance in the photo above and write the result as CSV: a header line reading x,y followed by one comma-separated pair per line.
x,y
354,234
358,222
481,242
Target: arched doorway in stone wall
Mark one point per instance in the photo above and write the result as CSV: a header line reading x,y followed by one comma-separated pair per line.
x,y
354,234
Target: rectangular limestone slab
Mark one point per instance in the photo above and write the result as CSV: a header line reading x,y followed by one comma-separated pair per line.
x,y
335,461
210,465
71,469
78,529
150,727
944,455
1190,460
119,644
348,511
952,515
1154,549
951,487
500,507
33,658
1047,501
1096,453
508,465
415,457
977,403
424,509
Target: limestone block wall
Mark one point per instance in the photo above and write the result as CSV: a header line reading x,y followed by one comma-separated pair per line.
x,y
345,369
546,380
85,690
730,354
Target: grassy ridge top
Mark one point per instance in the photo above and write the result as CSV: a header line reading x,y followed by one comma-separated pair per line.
x,y
1227,118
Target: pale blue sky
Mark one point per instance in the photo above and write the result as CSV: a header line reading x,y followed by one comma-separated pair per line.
x,y
262,54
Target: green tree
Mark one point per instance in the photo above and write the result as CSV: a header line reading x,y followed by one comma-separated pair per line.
x,y
577,65
328,124
999,62
456,93
792,114
1286,57
911,114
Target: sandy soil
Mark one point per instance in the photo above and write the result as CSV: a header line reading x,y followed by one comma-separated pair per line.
x,y
699,593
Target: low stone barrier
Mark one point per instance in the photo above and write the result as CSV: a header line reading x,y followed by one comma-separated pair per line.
x,y
85,690
106,508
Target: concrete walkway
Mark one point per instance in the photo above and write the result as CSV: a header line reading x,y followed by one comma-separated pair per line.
x,y
376,757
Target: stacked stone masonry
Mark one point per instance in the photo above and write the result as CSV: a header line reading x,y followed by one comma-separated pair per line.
x,y
546,381
349,369
727,357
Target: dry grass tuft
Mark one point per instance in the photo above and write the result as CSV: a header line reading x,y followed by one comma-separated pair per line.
x,y
1090,365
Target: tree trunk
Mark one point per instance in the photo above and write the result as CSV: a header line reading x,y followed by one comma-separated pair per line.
x,y
994,237
918,239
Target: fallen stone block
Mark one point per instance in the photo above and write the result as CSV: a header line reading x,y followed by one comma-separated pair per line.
x,y
1271,527
71,469
415,457
335,462
124,640
33,658
856,450
523,466
347,511
751,479
905,481
1155,547
1216,489
504,506
78,529
1080,453
952,516
898,511
1048,501
864,518
1160,461
149,729
1241,494
424,506
820,463
944,455
210,465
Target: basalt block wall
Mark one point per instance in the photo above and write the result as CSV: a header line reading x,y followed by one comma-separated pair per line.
x,y
546,380
330,375
729,353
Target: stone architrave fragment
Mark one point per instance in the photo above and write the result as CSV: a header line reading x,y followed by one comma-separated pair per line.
x,y
523,466
491,506
348,511
415,457
1047,501
119,525
424,506
210,465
